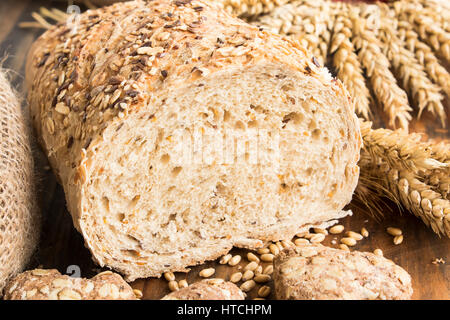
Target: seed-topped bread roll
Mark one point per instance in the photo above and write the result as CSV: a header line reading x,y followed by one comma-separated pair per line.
x,y
49,284
316,272
208,289
178,131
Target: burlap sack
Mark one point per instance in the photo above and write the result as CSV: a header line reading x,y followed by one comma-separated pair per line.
x,y
19,218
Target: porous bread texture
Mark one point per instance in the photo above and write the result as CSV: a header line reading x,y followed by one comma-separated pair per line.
x,y
19,214
49,284
112,101
208,289
316,272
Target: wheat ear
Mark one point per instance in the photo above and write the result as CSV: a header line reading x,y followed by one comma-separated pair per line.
x,y
425,26
439,11
441,151
397,165
305,21
425,56
393,99
399,149
425,93
347,65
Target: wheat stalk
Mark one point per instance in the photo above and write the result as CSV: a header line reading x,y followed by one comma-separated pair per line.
x,y
402,168
347,64
425,56
304,20
425,93
428,30
393,99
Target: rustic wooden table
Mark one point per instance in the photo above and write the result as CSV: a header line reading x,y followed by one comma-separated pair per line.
x,y
61,246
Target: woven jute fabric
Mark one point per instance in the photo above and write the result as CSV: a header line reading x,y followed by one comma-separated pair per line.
x,y
19,214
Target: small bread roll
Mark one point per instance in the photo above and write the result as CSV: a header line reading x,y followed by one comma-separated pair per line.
x,y
49,284
208,289
316,272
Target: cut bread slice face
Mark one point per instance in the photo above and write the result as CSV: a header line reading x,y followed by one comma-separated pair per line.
x,y
231,159
186,132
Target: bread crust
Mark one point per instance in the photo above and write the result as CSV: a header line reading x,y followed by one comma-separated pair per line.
x,y
49,284
127,58
316,272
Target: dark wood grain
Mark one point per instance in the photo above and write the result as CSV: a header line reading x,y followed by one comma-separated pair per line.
x,y
62,246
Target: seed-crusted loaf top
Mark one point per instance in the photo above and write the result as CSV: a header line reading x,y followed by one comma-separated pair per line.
x,y
318,272
43,284
208,289
129,56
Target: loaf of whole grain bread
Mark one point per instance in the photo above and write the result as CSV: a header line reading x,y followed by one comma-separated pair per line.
x,y
208,289
316,272
178,132
49,284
